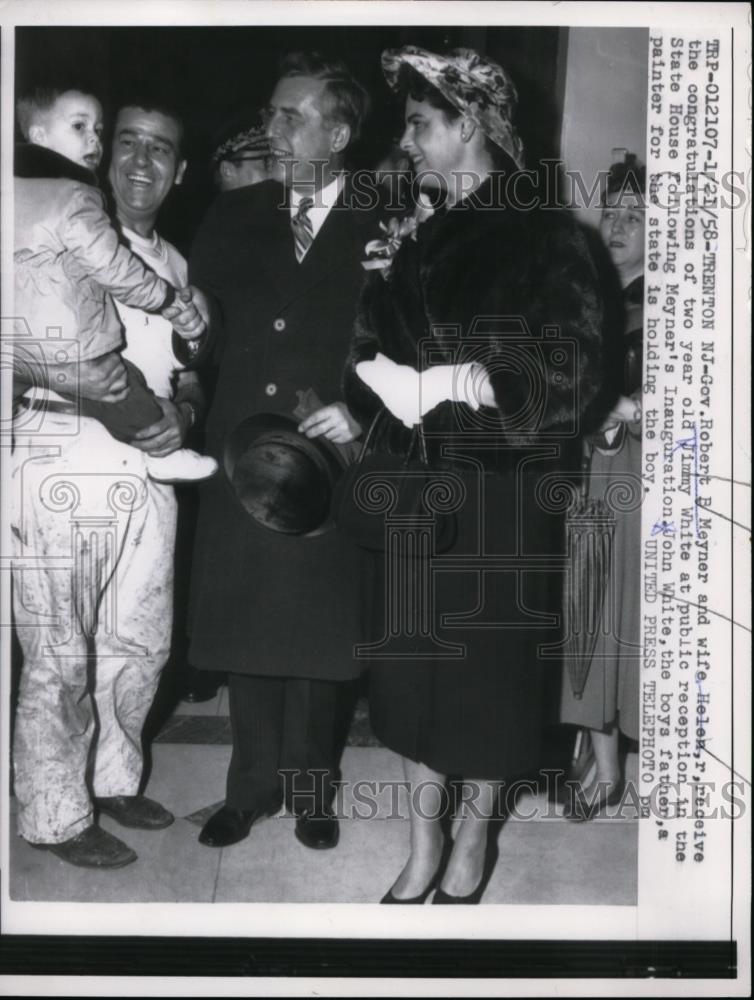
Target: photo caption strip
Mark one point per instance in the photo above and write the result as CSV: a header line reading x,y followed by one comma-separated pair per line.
x,y
690,791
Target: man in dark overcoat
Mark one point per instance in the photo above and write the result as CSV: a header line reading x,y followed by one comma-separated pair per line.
x,y
281,613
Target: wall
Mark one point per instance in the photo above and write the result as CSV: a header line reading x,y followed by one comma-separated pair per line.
x,y
605,102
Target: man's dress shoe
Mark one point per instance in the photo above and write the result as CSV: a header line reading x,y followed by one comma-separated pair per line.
x,y
318,830
135,811
202,685
93,848
229,826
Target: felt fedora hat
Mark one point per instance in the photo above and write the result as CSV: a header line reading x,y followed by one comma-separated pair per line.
x,y
282,479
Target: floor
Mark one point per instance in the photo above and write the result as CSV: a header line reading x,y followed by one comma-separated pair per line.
x,y
543,860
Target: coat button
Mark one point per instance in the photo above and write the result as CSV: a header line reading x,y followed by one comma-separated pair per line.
x,y
279,324
270,388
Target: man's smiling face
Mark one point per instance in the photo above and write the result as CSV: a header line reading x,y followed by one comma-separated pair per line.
x,y
145,165
300,133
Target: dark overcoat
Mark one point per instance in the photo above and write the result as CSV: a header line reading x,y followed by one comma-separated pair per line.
x,y
261,602
517,292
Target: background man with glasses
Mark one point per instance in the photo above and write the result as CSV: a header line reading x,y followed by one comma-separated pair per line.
x,y
242,154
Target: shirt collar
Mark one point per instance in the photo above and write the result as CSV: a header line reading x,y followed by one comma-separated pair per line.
x,y
324,199
152,242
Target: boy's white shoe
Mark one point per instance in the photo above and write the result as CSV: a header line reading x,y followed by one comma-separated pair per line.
x,y
181,466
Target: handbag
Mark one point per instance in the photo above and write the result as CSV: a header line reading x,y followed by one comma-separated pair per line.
x,y
379,486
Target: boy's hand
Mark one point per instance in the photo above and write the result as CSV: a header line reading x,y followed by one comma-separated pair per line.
x,y
200,301
185,313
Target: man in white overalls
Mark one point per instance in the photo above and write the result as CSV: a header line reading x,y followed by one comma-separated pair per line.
x,y
94,540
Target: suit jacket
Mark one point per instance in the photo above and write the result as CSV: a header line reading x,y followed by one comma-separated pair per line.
x,y
266,603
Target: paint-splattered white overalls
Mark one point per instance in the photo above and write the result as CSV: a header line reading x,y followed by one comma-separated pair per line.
x,y
92,599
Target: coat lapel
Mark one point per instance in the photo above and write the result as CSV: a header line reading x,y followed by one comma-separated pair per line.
x,y
277,262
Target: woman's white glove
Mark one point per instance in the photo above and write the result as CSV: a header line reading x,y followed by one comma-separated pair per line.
x,y
409,394
455,383
396,385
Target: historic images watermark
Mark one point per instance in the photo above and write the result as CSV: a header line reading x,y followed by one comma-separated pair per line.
x,y
541,797
85,499
551,187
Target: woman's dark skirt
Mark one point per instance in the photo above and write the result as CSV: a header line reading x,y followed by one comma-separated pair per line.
x,y
496,595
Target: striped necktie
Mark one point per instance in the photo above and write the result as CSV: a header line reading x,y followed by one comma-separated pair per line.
x,y
301,224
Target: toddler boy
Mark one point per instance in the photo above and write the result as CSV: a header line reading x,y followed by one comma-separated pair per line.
x,y
69,261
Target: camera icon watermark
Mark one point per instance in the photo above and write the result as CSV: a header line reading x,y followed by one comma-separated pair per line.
x,y
42,369
534,371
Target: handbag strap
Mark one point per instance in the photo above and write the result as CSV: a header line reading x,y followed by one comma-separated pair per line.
x,y
369,437
417,442
418,439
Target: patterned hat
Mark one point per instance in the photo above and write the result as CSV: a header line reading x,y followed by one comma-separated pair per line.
x,y
475,85
241,136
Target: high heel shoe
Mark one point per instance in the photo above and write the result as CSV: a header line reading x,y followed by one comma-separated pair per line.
x,y
447,847
578,809
582,759
490,860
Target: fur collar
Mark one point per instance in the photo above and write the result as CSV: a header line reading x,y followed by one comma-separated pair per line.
x,y
32,161
478,217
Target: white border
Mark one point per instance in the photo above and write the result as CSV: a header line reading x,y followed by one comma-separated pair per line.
x,y
351,920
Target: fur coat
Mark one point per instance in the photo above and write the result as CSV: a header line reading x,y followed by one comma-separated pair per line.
x,y
515,290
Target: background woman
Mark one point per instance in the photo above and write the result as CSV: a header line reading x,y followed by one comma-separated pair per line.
x,y
610,700
479,266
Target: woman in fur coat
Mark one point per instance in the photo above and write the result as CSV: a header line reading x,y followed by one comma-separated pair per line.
x,y
486,330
